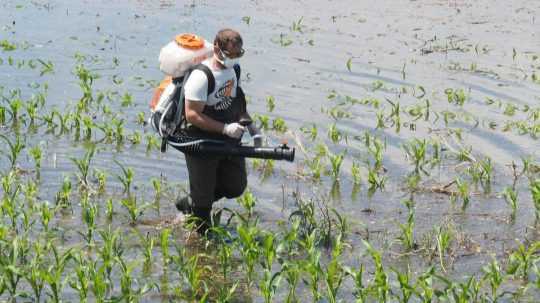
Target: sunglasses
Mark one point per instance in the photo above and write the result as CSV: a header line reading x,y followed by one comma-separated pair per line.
x,y
230,55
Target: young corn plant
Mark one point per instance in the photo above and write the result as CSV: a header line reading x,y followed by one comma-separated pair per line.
x,y
511,198
62,196
291,272
101,177
335,272
249,247
424,286
89,214
80,279
444,240
148,247
55,272
14,147
34,275
375,181
360,292
109,209
376,149
9,203
129,293
522,260
37,155
380,284
134,210
126,178
416,152
336,161
407,289
108,253
192,273
494,275
157,185
46,215
356,173
10,258
407,229
312,265
463,191
84,167
164,243
270,281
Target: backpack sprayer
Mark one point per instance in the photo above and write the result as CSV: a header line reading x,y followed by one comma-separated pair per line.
x,y
177,59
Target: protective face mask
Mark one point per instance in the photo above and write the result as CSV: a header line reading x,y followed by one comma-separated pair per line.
x,y
227,62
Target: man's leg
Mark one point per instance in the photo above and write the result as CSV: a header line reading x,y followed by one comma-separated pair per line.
x,y
202,184
231,178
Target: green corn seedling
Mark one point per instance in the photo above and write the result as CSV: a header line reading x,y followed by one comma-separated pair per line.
x,y
134,211
381,284
444,238
34,275
361,292
89,214
521,260
407,229
148,247
407,289
47,214
334,273
511,198
84,167
126,178
101,177
9,265
129,293
80,280
336,161
164,243
291,271
14,148
62,197
54,273
493,274
312,265
356,173
463,190
249,248
37,155
416,151
109,209
424,286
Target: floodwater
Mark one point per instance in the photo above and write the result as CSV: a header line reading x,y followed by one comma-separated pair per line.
x,y
362,49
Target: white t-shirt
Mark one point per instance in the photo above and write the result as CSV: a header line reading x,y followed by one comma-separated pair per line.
x,y
196,87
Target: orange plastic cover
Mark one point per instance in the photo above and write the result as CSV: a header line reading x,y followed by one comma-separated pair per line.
x,y
159,90
190,41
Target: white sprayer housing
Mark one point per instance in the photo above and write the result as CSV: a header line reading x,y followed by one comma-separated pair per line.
x,y
177,56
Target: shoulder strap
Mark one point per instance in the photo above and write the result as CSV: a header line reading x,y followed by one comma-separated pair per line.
x,y
211,80
238,72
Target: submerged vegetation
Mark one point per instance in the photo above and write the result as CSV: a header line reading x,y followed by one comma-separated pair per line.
x,y
392,198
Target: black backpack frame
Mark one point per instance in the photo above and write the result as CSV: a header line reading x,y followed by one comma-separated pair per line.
x,y
177,114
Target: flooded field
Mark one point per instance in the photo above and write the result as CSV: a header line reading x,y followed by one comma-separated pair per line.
x,y
417,171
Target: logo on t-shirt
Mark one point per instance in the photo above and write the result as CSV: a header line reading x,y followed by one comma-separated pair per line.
x,y
224,94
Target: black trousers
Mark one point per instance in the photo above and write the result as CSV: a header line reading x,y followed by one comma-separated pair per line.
x,y
212,178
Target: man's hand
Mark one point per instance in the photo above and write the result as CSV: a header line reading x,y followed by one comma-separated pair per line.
x,y
255,133
234,130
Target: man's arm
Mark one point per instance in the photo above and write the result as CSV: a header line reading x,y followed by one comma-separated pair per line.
x,y
195,116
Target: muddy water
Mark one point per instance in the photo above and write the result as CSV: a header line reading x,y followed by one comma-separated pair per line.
x,y
401,44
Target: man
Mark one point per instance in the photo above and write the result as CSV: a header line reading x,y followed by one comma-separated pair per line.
x,y
216,115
